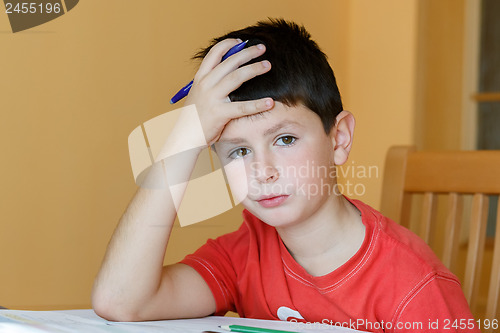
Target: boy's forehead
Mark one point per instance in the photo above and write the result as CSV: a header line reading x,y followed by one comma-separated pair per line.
x,y
269,122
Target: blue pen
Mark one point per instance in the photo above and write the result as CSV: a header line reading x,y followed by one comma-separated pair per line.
x,y
184,91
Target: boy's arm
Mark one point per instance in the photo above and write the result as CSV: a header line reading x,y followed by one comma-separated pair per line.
x,y
132,283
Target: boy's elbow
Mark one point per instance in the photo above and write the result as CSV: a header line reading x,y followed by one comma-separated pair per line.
x,y
111,310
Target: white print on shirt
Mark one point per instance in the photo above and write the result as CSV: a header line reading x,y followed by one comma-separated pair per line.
x,y
284,313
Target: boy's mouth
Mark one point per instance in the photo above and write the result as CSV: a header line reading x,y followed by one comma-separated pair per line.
x,y
273,200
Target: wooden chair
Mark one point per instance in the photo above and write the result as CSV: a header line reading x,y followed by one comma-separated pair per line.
x,y
453,174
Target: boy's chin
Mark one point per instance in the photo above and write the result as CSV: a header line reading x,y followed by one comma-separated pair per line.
x,y
274,217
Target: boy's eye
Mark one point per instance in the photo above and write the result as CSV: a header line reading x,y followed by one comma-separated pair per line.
x,y
285,140
239,153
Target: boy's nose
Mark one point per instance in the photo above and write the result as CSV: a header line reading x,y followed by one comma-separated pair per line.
x,y
265,172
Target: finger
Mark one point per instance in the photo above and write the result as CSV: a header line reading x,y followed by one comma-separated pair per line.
x,y
235,79
236,110
233,62
214,56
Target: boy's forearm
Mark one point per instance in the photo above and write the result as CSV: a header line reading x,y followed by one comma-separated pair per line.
x,y
132,265
131,270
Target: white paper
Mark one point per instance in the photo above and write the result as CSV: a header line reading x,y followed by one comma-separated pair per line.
x,y
70,321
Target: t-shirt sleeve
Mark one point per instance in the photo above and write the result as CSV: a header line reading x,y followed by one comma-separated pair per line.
x,y
436,305
215,262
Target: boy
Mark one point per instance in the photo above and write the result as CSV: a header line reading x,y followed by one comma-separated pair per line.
x,y
269,111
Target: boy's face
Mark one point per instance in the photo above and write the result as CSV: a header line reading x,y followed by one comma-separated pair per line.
x,y
279,164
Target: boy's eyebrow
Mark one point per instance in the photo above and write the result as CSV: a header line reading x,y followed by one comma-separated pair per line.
x,y
267,132
279,126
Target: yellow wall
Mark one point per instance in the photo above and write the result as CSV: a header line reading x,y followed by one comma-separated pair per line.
x,y
72,90
380,87
440,74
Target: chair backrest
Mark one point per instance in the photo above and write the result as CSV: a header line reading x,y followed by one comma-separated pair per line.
x,y
454,174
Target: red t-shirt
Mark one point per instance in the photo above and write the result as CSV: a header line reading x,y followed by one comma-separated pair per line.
x,y
394,283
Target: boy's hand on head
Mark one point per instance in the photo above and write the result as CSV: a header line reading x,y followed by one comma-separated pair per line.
x,y
215,80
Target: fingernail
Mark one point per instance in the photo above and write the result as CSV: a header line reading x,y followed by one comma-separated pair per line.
x,y
260,46
269,102
239,40
266,63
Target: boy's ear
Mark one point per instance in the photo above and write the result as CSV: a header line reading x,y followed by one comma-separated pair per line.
x,y
342,136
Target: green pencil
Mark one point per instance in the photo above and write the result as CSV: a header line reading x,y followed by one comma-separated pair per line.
x,y
248,329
